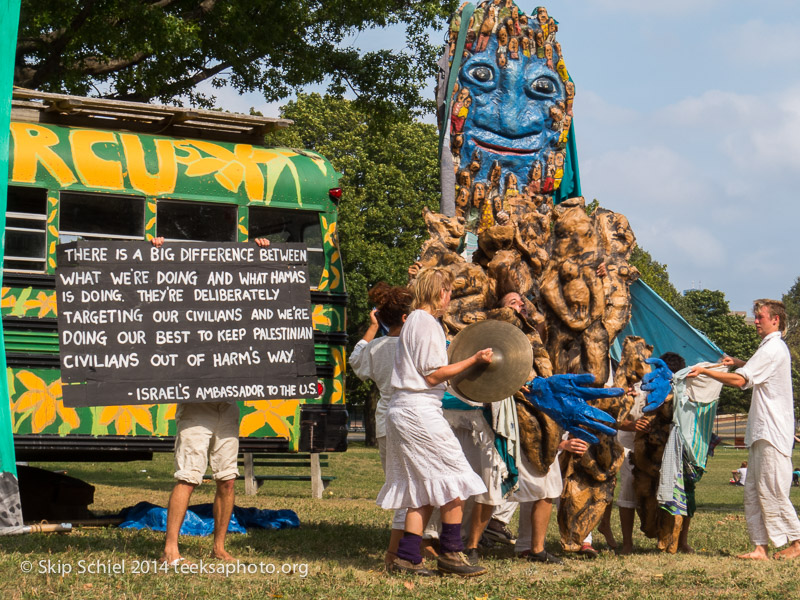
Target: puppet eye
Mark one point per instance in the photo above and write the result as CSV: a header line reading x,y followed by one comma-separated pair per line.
x,y
544,86
482,74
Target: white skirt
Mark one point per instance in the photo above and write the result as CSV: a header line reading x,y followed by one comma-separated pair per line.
x,y
534,485
425,465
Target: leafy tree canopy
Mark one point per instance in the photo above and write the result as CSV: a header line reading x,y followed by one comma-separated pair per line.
x,y
791,300
709,312
144,50
390,171
655,274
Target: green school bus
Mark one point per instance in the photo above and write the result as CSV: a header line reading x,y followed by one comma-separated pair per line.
x,y
93,169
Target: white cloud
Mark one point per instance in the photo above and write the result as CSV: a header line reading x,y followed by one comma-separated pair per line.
x,y
677,7
714,110
641,175
590,106
756,42
699,244
756,133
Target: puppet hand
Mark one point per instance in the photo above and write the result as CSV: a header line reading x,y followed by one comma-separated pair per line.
x,y
564,400
657,383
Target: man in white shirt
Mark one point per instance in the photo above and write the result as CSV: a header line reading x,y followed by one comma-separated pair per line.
x,y
770,433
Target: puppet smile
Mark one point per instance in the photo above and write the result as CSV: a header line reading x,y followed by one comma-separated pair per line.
x,y
503,149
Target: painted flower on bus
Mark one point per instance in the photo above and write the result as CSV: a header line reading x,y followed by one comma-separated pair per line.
x,y
8,299
338,375
42,402
44,302
126,418
275,413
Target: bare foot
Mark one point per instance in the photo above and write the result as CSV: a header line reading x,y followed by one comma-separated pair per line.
x,y
222,555
685,548
757,554
609,535
429,548
625,550
792,551
388,558
174,560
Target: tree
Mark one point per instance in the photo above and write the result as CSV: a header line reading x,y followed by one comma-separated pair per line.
x,y
655,274
791,300
389,172
160,50
709,312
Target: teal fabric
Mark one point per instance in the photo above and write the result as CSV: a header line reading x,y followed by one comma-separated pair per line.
x,y
501,444
450,402
9,22
571,183
452,76
660,325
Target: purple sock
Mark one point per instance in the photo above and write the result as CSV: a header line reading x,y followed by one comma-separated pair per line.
x,y
450,538
409,548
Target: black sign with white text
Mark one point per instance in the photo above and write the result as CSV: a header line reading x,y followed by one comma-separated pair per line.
x,y
187,322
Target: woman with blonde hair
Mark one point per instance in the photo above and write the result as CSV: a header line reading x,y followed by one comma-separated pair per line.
x,y
425,466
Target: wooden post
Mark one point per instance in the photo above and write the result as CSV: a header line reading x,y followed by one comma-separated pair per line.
x,y
250,483
316,477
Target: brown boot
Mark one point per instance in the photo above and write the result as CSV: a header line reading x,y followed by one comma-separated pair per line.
x,y
457,563
403,567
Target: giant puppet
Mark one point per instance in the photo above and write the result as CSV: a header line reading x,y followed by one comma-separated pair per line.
x,y
510,189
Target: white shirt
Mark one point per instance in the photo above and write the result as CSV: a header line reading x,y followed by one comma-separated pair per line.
x,y
742,474
771,415
375,360
422,350
626,438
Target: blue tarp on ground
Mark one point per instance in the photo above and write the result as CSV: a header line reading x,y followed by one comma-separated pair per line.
x,y
661,326
200,519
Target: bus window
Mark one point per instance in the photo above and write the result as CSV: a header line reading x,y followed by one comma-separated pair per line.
x,y
282,225
100,217
26,238
197,222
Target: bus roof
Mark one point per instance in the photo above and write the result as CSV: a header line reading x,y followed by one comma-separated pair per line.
x,y
61,109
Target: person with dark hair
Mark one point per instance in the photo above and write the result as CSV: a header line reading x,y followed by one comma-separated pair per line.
x,y
373,358
768,510
674,361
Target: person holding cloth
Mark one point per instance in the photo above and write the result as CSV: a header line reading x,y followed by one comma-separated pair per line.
x,y
425,465
770,433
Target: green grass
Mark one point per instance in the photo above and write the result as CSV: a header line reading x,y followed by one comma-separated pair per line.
x,y
342,538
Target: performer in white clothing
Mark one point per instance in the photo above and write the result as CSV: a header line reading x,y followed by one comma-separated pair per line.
x,y
770,433
373,358
425,466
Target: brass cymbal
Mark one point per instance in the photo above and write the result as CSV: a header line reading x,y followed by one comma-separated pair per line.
x,y
511,361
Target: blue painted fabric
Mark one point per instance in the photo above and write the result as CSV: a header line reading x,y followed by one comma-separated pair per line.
x,y
199,519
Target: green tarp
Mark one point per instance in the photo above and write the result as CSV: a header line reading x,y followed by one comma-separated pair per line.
x,y
664,328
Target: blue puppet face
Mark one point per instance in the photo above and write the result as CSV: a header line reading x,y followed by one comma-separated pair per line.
x,y
510,111
509,120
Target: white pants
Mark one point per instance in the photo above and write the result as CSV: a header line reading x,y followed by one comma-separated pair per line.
x,y
626,497
505,511
769,513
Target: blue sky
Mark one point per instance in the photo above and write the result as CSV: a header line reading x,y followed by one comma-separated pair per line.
x,y
687,117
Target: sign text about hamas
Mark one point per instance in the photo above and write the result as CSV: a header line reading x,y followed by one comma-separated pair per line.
x,y
187,322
